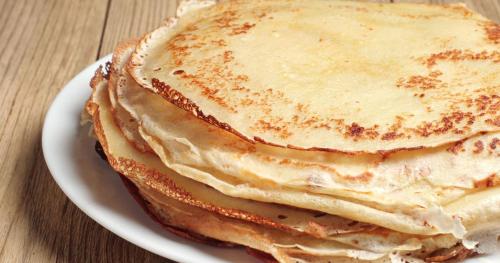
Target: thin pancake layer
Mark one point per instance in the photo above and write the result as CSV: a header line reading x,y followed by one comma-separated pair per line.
x,y
272,241
304,221
127,125
288,246
411,185
147,170
354,77
182,216
161,183
444,172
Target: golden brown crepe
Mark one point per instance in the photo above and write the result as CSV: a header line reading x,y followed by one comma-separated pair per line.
x,y
328,75
351,240
372,135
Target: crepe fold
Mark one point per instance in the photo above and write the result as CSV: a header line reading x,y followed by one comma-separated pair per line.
x,y
295,151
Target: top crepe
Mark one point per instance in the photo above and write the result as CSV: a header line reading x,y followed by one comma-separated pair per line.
x,y
328,75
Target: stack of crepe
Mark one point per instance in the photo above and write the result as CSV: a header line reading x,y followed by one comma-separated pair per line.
x,y
312,131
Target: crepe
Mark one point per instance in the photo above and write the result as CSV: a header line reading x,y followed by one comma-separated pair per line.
x,y
349,199
405,190
352,239
221,160
121,117
319,74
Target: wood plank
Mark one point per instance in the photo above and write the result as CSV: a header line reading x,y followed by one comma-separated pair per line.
x,y
129,19
42,45
488,8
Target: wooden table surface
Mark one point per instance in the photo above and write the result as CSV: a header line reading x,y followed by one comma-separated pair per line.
x,y
43,44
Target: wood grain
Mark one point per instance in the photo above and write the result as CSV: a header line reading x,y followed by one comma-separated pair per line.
x,y
129,19
43,44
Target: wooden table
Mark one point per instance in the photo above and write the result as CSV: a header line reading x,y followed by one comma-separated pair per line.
x,y
43,44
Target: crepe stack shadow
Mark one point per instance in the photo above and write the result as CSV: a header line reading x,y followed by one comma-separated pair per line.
x,y
311,131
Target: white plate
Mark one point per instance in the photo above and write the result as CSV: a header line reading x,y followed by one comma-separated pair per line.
x,y
98,191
